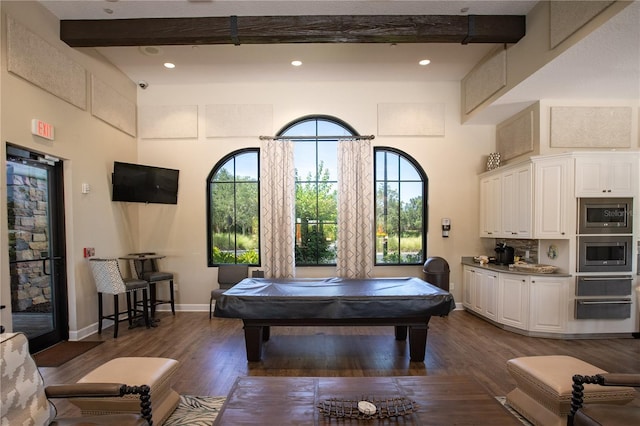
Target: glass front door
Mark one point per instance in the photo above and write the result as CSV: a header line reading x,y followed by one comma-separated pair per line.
x,y
36,247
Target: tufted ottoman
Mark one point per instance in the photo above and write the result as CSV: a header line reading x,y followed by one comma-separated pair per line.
x,y
157,373
543,392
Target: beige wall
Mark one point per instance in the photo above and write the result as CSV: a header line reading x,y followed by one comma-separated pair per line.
x,y
451,163
87,146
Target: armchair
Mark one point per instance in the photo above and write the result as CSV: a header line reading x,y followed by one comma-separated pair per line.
x,y
594,414
24,399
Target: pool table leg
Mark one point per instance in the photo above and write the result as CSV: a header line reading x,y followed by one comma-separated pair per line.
x,y
253,339
401,332
418,342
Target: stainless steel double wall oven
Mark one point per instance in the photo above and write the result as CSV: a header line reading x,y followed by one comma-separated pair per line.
x,y
604,245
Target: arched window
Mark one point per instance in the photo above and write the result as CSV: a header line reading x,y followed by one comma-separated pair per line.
x,y
315,141
401,212
233,209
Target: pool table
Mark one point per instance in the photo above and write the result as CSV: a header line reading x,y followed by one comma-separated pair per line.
x,y
405,303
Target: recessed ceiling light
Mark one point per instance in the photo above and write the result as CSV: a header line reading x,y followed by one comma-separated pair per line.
x,y
107,10
424,62
296,63
169,65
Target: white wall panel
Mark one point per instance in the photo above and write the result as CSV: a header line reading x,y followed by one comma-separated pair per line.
x,y
112,108
231,120
35,60
484,80
591,127
415,119
168,121
566,17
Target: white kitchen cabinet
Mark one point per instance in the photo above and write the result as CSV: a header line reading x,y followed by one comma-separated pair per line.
x,y
468,290
606,175
513,300
553,194
517,202
491,206
549,304
480,292
490,292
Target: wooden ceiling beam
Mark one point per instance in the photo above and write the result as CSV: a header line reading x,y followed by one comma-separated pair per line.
x,y
294,29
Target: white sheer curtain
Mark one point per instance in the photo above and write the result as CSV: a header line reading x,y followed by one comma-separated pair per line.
x,y
277,198
355,209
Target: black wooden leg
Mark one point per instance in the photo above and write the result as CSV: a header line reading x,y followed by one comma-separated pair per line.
x,y
130,309
418,342
116,315
173,303
266,333
145,312
401,332
99,313
253,342
152,297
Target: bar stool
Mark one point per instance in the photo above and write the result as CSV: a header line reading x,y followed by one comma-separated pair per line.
x,y
109,280
147,269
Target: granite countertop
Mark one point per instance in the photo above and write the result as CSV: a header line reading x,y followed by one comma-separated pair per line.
x,y
468,260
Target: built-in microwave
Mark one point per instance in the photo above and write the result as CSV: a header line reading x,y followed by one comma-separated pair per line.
x,y
605,216
605,253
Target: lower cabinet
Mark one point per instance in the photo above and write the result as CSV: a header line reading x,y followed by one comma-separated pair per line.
x,y
481,291
513,305
549,304
527,302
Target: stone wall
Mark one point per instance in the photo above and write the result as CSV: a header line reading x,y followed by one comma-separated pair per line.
x,y
27,216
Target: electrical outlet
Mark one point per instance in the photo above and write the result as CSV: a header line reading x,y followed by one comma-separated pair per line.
x,y
176,287
452,286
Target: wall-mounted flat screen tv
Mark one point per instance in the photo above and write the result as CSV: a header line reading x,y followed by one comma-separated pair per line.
x,y
137,183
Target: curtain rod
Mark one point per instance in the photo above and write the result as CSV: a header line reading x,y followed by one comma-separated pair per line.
x,y
365,137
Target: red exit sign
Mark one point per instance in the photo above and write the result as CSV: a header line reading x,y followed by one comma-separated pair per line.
x,y
42,129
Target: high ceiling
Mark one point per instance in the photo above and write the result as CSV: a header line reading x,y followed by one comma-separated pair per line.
x,y
604,65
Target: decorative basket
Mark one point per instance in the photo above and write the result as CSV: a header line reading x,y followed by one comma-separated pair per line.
x,y
493,161
534,268
386,407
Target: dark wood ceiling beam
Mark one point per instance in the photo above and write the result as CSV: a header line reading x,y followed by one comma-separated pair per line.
x,y
294,29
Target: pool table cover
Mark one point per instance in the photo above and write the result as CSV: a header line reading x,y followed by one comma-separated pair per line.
x,y
333,298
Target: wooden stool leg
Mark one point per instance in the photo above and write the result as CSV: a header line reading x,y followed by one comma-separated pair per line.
x,y
173,302
145,312
152,297
116,315
100,313
130,309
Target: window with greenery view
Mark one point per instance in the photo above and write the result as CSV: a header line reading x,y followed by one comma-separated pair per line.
x,y
400,203
315,141
233,210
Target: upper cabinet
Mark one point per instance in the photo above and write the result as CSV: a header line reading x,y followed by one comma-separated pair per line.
x,y
491,206
517,202
537,198
607,175
553,196
506,203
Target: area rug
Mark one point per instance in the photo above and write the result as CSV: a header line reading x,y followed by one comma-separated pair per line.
x,y
196,411
503,400
62,352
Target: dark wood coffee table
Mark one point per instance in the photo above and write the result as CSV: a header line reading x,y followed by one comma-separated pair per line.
x,y
441,400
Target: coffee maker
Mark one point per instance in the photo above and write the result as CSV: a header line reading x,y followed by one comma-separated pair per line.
x,y
504,254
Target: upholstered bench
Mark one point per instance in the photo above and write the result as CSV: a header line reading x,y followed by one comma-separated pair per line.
x,y
543,392
157,373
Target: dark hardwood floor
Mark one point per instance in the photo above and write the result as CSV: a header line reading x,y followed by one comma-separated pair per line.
x,y
212,352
